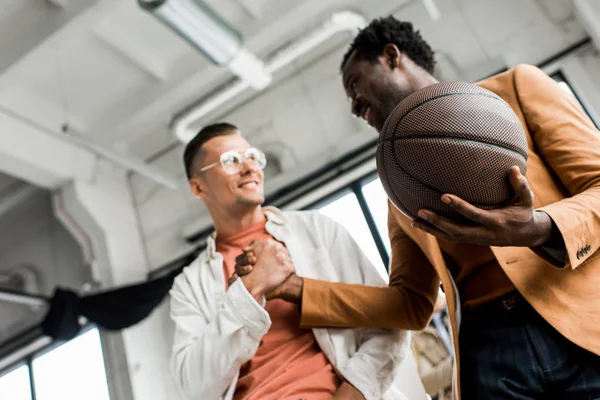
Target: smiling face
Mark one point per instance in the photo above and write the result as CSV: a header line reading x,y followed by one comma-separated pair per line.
x,y
230,193
376,87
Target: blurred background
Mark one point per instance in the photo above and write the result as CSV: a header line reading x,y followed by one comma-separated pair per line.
x,y
98,98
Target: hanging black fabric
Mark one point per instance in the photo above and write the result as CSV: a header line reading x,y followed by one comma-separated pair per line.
x,y
113,309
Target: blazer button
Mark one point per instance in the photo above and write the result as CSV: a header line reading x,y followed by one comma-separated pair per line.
x,y
588,248
579,254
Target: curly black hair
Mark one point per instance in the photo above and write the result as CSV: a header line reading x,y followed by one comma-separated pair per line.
x,y
370,41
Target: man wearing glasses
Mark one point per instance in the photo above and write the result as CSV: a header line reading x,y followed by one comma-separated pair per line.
x,y
233,338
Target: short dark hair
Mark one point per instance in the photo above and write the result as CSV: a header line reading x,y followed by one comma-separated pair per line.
x,y
370,41
194,147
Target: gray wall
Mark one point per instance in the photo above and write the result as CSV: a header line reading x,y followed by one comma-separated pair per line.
x,y
30,237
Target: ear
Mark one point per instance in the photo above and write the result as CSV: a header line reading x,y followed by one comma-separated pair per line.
x,y
197,187
392,55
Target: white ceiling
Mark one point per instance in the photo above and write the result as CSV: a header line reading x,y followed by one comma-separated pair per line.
x,y
114,72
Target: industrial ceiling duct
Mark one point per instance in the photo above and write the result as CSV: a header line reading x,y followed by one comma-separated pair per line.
x,y
338,22
207,32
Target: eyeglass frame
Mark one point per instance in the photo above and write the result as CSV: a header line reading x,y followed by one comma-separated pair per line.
x,y
242,156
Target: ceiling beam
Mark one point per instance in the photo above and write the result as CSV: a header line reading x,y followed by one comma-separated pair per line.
x,y
27,23
39,156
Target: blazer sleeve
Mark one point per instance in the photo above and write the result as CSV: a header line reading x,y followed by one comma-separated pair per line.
x,y
569,143
406,303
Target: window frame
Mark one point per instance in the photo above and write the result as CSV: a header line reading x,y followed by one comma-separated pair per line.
x,y
355,187
569,69
559,76
44,347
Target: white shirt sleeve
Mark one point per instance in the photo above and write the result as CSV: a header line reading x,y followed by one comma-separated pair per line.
x,y
208,350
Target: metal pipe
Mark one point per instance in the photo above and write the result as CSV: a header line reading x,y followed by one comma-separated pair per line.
x,y
344,21
181,124
23,298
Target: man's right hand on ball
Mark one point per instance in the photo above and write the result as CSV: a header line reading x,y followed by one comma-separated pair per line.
x,y
272,265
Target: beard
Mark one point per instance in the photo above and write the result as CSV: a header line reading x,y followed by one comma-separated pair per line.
x,y
388,100
250,201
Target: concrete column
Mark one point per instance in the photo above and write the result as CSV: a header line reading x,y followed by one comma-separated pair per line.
x,y
137,358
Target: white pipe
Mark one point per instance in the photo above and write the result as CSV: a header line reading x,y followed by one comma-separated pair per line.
x,y
432,9
29,277
181,125
345,21
22,352
23,299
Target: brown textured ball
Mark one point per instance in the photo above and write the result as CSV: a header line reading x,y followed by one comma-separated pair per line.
x,y
450,137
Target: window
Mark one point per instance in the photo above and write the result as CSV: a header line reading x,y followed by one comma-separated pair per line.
x,y
377,201
73,371
15,384
361,208
564,84
346,211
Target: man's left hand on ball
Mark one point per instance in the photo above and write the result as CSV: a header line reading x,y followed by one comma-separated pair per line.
x,y
516,224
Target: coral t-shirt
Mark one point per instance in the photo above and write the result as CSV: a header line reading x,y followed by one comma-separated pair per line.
x,y
288,365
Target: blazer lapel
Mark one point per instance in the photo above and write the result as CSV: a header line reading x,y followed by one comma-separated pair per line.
x,y
430,247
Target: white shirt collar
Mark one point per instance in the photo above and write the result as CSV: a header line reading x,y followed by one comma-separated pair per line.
x,y
273,215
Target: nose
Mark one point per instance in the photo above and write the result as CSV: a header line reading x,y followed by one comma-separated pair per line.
x,y
248,166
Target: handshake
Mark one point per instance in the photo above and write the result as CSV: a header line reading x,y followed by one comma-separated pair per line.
x,y
266,268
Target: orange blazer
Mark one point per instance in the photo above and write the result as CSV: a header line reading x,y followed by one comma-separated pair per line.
x,y
563,171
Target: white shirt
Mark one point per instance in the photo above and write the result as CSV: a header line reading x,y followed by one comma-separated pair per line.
x,y
216,331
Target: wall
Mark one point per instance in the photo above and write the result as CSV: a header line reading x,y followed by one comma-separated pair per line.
x,y
31,235
32,238
582,71
136,358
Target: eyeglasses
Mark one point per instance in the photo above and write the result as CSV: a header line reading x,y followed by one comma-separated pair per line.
x,y
232,161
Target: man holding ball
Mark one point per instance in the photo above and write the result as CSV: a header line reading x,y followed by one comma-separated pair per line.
x,y
522,281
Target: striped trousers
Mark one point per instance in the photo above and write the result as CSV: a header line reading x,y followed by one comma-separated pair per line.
x,y
516,354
